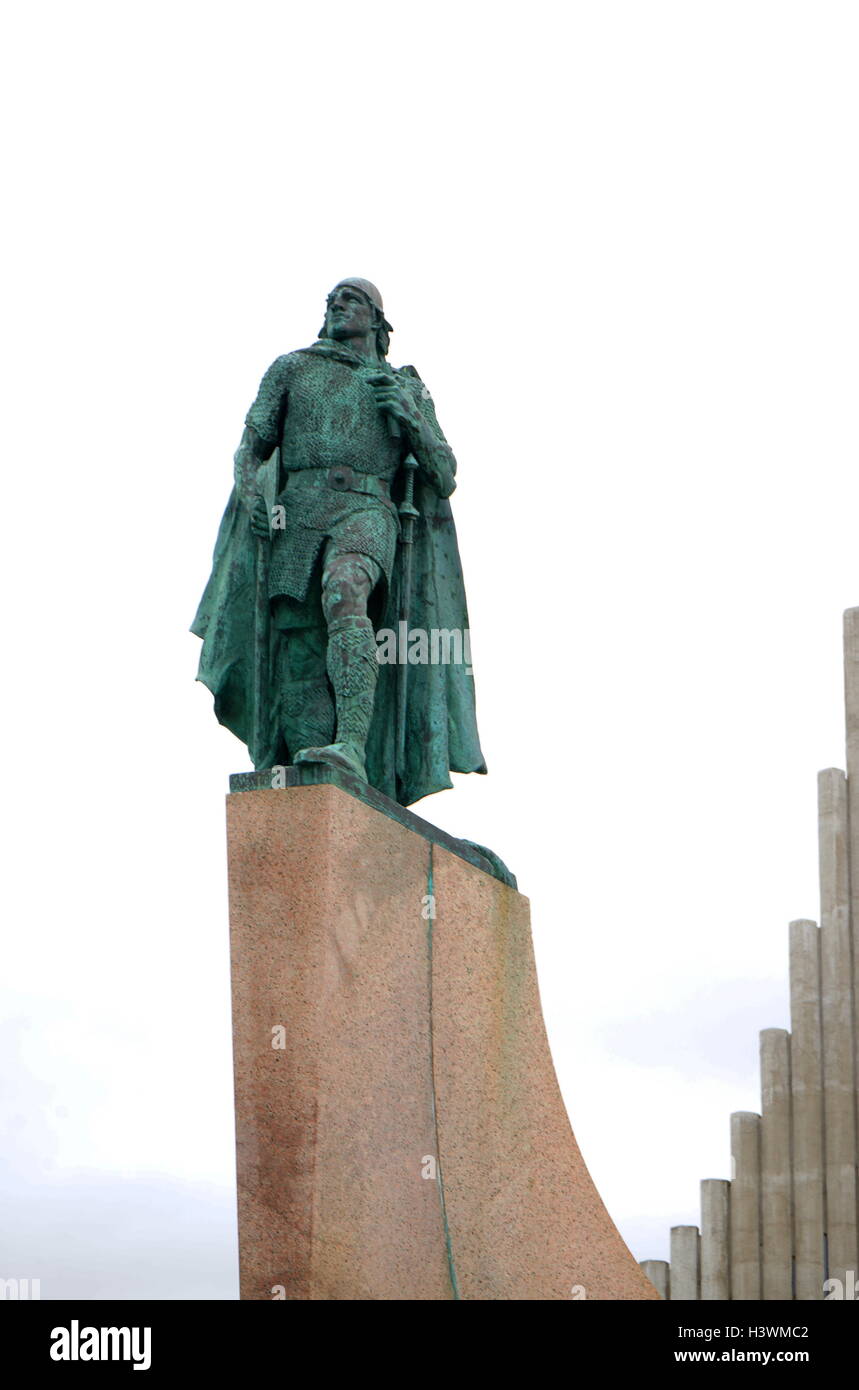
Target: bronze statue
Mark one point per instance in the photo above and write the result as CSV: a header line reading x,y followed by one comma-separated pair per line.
x,y
339,530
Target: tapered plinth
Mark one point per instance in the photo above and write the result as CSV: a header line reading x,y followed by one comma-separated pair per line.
x,y
400,1132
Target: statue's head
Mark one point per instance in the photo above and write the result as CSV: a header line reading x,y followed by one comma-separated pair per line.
x,y
354,307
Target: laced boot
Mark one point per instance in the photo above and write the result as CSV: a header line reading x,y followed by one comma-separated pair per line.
x,y
352,670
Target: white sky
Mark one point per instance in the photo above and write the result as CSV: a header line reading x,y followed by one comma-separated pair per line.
x,y
619,241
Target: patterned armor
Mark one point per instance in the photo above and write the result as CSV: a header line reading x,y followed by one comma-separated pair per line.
x,y
338,459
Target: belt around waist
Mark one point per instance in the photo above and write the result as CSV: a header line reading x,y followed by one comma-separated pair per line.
x,y
341,478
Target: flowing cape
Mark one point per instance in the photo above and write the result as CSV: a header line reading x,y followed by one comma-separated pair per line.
x,y
233,621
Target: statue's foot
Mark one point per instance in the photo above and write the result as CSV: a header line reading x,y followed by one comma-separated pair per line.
x,y
346,756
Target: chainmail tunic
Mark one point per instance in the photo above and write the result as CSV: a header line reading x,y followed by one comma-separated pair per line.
x,y
317,405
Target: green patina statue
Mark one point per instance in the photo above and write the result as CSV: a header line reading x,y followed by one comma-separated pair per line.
x,y
334,624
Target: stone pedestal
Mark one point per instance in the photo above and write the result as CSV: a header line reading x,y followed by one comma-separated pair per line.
x,y
400,1132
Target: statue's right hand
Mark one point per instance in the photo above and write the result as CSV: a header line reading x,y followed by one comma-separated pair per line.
x,y
260,524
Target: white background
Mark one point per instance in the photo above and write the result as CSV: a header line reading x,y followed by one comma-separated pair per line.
x,y
619,241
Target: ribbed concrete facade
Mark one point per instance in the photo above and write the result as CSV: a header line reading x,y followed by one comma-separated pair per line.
x,y
785,1225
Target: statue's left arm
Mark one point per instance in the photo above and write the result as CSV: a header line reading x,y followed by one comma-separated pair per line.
x,y
410,403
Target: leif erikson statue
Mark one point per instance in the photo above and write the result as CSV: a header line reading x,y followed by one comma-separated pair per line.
x,y
339,527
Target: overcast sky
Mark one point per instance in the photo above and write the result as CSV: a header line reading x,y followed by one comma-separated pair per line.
x,y
618,240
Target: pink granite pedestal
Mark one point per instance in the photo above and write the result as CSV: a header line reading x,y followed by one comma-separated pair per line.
x,y
400,1132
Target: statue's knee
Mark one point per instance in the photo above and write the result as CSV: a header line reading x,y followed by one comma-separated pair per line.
x,y
345,588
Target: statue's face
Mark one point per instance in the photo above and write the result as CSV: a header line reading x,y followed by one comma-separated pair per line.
x,y
348,315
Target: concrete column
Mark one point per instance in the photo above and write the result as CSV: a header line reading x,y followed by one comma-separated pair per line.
x,y
836,983
657,1272
807,1095
851,701
745,1206
715,1239
685,1263
776,1193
